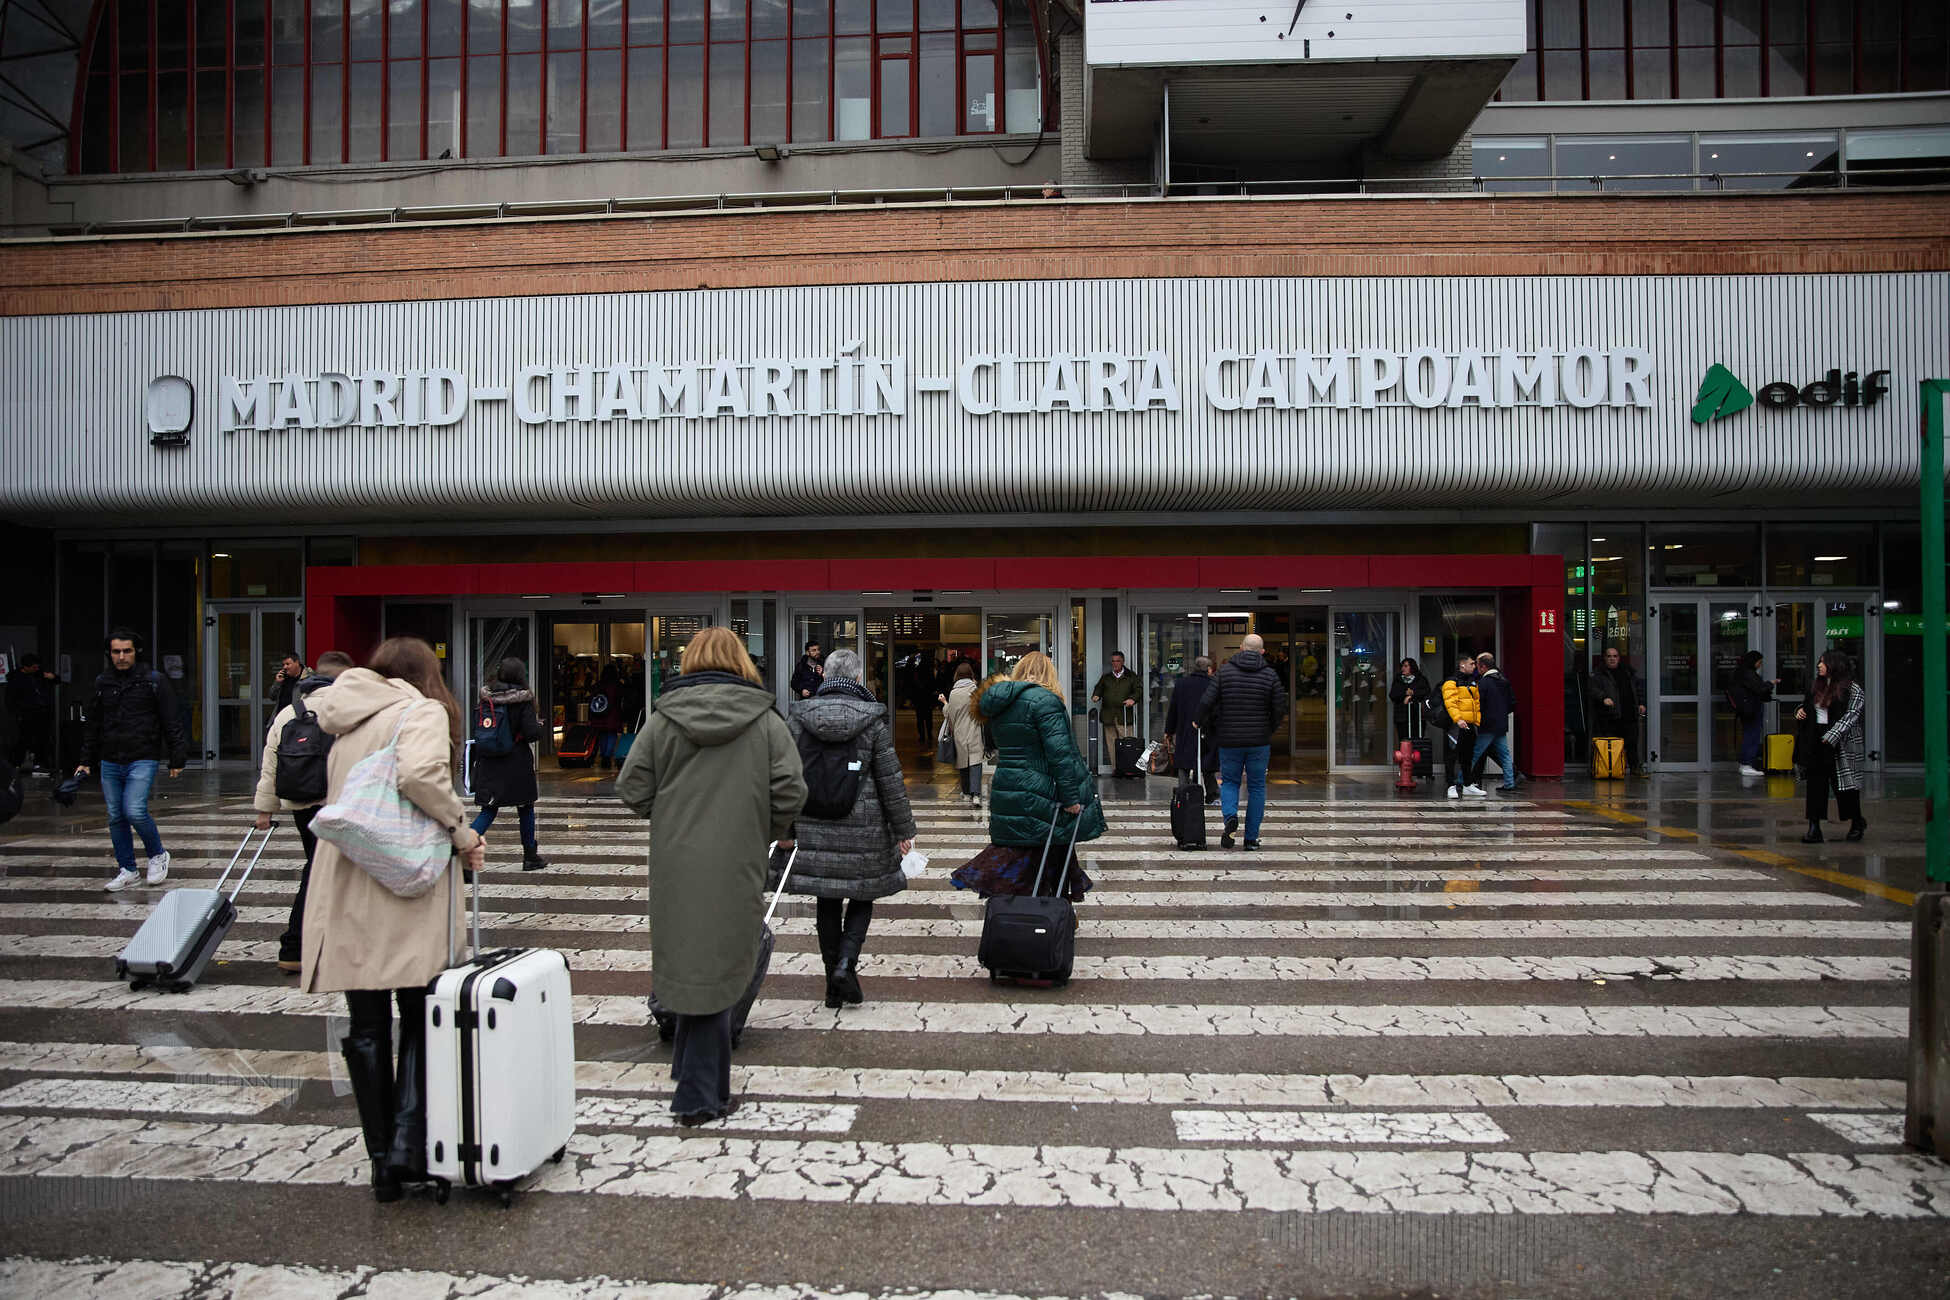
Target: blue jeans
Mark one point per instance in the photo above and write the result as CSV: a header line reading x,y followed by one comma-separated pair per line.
x,y
125,788
526,811
1751,731
1251,763
1498,747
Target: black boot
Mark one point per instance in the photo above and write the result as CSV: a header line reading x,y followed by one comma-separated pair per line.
x,y
407,1155
532,859
1856,827
845,979
827,921
1232,828
1814,834
368,1062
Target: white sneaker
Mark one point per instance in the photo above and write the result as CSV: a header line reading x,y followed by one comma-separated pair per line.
x,y
123,879
1454,793
1750,771
159,868
1476,792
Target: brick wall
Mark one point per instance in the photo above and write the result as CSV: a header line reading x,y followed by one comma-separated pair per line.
x,y
1460,235
1072,94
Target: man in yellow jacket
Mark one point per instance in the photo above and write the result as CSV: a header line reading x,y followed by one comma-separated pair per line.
x,y
1464,705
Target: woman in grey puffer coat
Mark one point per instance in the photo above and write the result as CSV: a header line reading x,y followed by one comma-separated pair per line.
x,y
849,861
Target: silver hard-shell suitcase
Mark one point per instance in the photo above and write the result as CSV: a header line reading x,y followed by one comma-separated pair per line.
x,y
180,937
500,1060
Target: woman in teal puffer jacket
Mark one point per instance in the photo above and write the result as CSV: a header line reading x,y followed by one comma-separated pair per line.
x,y
1039,769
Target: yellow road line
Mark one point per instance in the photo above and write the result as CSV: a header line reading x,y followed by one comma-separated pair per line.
x,y
1842,878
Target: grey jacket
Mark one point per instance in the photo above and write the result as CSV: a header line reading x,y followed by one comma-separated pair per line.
x,y
858,855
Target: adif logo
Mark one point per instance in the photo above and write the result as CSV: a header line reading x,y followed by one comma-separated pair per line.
x,y
168,406
1722,394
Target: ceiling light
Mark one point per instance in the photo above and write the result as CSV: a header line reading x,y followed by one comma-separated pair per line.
x,y
1713,155
1231,613
220,555
1314,591
1597,539
1606,559
1675,546
1892,604
1235,591
610,595
1824,559
534,597
1503,157
1611,157
876,593
963,592
1811,153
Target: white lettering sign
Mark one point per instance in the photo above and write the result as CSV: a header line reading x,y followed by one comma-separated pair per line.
x,y
851,382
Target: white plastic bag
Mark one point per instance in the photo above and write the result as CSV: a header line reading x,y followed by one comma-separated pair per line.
x,y
380,830
913,863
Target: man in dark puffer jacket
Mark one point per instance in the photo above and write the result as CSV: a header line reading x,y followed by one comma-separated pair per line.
x,y
1245,702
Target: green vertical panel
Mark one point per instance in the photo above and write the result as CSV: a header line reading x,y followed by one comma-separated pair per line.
x,y
1936,763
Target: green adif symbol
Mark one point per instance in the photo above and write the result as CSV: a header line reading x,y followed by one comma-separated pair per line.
x,y
1720,394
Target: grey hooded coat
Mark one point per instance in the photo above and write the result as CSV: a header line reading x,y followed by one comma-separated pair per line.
x,y
857,856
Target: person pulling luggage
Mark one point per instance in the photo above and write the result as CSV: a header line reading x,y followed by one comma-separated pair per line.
x,y
716,774
856,825
360,938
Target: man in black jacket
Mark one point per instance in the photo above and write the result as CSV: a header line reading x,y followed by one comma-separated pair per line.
x,y
1245,702
1499,702
807,675
1190,753
1613,693
131,719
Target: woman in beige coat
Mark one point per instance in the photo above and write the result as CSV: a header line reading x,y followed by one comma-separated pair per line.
x,y
365,941
959,709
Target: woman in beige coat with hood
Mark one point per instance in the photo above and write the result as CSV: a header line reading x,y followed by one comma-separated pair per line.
x,y
359,937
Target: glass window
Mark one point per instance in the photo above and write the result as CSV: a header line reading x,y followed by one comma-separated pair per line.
x,y
938,100
1617,590
443,108
1021,77
728,20
646,124
768,20
179,632
1520,85
524,27
727,95
483,27
1568,542
851,17
327,121
327,552
646,22
1628,162
365,28
403,112
1512,162
1364,658
896,80
524,125
852,90
255,569
978,71
1821,555
211,96
443,27
1651,74
686,121
483,106
809,90
1905,153
686,21
363,107
809,17
1704,555
1770,160
769,92
603,101
564,103
564,23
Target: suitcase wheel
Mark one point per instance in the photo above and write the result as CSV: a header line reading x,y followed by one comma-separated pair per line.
x,y
507,1194
441,1191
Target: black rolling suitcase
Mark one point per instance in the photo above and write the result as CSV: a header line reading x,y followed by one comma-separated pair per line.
x,y
1032,937
741,1011
1188,803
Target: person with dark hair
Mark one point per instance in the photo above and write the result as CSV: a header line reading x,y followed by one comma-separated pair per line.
x,y
1409,692
30,701
958,707
1829,745
1498,702
507,778
807,673
365,941
1116,696
606,713
267,802
1749,694
1245,703
131,720
1192,750
291,671
1617,704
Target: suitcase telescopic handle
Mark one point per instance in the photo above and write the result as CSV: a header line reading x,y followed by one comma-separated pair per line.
x,y
475,895
249,867
1037,888
783,877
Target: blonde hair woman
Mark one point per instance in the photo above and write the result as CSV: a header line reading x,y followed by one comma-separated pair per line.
x,y
717,775
1039,772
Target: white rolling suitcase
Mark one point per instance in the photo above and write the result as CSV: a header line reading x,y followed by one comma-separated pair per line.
x,y
501,1092
176,943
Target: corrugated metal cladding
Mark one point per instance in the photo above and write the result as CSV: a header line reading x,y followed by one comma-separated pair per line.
x,y
76,445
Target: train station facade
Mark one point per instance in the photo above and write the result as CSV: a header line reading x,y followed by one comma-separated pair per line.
x,y
1463,411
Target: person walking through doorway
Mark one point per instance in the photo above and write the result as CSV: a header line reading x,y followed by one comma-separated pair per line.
x,y
1245,702
958,707
606,713
1463,703
1750,693
30,700
1498,702
1191,749
1617,704
508,778
132,720
807,673
1116,695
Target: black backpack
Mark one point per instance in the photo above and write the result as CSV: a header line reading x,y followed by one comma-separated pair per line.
x,y
302,747
832,776
493,730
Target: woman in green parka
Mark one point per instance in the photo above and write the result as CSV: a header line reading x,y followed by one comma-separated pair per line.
x,y
1039,769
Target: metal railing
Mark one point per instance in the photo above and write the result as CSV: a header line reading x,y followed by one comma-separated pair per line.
x,y
1790,182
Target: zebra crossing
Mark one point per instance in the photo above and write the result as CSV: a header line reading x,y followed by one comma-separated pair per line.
x,y
1403,1012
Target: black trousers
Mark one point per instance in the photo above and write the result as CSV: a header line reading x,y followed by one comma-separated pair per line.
x,y
834,924
700,1062
1821,779
291,944
372,1011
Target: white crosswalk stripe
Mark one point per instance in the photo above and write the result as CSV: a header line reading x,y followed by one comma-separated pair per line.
x,y
1243,1033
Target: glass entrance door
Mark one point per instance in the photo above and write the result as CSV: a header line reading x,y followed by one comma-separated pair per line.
x,y
1364,659
591,656
244,647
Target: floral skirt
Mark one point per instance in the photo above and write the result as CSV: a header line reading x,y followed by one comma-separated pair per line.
x,y
1000,869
